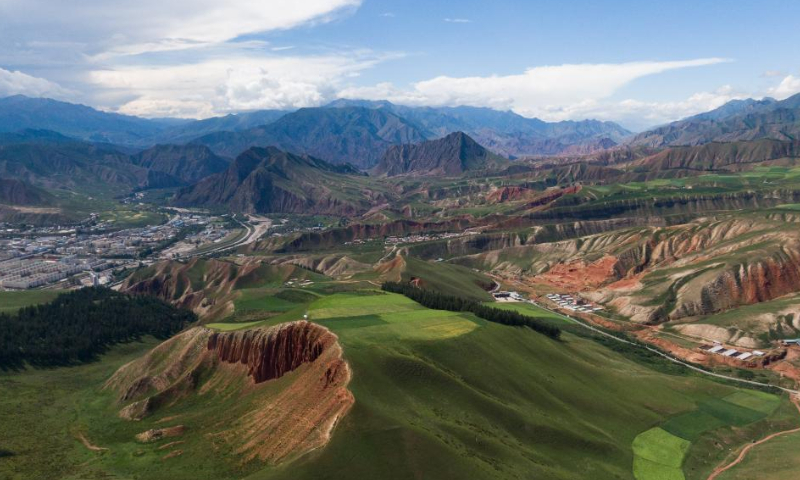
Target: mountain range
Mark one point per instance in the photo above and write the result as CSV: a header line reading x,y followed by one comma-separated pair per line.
x,y
48,159
51,144
350,131
503,132
263,180
339,135
736,120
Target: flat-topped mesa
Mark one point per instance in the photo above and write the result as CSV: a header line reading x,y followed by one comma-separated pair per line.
x,y
263,422
271,353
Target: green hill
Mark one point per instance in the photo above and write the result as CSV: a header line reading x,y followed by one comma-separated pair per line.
x,y
437,395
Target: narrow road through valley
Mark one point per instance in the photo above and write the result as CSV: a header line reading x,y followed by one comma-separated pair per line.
x,y
668,357
719,470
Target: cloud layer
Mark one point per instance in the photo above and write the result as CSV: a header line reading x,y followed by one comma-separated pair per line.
x,y
218,86
18,83
199,58
129,27
557,92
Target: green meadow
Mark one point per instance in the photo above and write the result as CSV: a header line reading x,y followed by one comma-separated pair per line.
x,y
660,452
10,302
439,394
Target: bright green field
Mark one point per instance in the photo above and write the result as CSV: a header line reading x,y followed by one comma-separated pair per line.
x,y
10,302
658,455
122,218
441,395
493,402
660,452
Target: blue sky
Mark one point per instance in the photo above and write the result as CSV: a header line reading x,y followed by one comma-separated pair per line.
x,y
638,63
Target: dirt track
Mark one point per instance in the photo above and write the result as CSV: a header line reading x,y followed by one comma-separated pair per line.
x,y
86,443
719,470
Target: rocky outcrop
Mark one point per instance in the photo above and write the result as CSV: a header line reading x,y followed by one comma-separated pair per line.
x,y
510,194
263,422
269,354
756,281
156,434
552,195
205,286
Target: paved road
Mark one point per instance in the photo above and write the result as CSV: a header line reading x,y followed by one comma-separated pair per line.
x,y
253,233
251,230
668,357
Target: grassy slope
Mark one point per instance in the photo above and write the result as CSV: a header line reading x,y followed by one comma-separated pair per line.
x,y
44,410
438,395
10,302
774,460
448,278
492,402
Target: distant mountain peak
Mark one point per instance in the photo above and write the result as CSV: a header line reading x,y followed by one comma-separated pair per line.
x,y
267,179
747,119
453,154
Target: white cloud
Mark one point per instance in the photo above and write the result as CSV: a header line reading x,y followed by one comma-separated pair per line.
x,y
387,15
18,83
131,27
231,84
789,86
638,115
187,58
458,20
540,91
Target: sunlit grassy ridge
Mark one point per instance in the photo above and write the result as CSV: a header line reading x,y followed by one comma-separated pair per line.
x,y
438,394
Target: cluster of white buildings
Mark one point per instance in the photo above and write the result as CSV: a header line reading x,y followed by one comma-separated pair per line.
x,y
425,237
36,272
294,282
718,349
31,258
569,302
508,297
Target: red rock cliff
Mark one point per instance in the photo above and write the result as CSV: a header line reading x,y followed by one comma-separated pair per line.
x,y
269,354
263,421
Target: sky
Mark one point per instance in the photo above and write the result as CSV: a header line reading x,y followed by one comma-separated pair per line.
x,y
636,63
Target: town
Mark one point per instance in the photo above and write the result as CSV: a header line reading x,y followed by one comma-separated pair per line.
x,y
88,254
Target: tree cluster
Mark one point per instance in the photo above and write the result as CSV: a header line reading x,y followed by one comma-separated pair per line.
x,y
439,301
79,325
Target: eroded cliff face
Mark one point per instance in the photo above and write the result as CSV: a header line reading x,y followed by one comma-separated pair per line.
x,y
656,274
262,422
314,241
271,353
203,286
749,282
208,287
